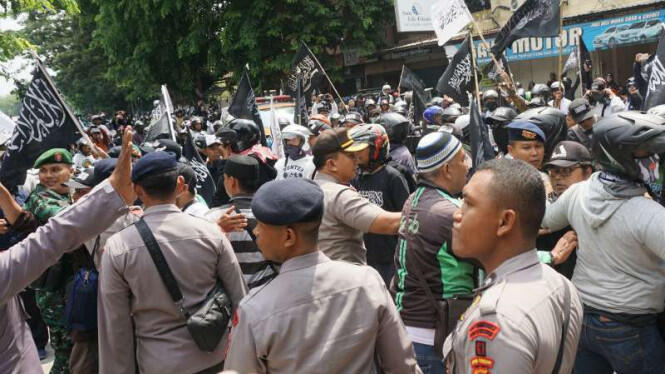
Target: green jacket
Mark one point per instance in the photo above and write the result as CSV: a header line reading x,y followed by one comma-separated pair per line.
x,y
45,203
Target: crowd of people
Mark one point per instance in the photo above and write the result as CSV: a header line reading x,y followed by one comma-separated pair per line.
x,y
373,244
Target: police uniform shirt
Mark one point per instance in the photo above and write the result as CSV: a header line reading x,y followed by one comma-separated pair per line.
x,y
346,218
515,324
139,324
319,316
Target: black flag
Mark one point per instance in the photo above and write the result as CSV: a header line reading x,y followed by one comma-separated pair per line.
x,y
533,18
160,129
411,81
307,67
300,113
656,84
490,71
457,80
44,122
481,147
243,104
205,185
583,57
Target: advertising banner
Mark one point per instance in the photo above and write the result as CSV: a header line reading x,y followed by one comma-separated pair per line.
x,y
602,34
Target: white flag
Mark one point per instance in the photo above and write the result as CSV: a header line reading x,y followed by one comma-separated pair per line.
x,y
449,17
571,62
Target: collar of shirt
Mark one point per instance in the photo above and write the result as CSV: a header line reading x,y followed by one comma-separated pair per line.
x,y
161,208
513,265
241,197
321,176
304,261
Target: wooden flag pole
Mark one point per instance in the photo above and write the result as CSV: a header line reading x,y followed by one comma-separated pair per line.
x,y
487,46
475,70
327,77
399,85
560,41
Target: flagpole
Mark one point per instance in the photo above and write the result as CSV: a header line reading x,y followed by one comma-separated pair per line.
x,y
560,39
475,70
487,46
57,94
326,75
399,85
580,65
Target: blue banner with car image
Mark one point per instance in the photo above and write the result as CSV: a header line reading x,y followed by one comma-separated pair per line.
x,y
602,34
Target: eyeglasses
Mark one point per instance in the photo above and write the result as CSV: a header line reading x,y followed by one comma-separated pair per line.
x,y
562,172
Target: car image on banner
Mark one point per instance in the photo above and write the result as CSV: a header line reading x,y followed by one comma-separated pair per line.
x,y
637,32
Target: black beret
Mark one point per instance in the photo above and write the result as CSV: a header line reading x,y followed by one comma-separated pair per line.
x,y
288,201
242,167
153,163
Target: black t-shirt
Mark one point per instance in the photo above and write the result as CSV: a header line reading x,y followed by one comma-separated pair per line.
x,y
387,189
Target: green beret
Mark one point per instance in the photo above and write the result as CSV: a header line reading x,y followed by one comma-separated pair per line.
x,y
54,156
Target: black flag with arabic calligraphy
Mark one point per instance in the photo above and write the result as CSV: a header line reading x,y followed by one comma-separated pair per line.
x,y
656,84
205,185
411,81
44,123
306,67
533,18
481,147
243,104
457,80
300,113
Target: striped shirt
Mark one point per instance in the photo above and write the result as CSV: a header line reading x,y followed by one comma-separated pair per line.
x,y
255,269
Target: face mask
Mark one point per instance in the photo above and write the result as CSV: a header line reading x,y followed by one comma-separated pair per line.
x,y
293,151
491,106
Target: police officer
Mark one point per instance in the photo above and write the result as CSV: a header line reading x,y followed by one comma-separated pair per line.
x,y
25,261
302,321
526,318
424,256
139,324
347,215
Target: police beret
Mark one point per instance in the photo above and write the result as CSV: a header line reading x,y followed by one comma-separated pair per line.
x,y
153,163
53,156
104,168
242,167
525,131
288,201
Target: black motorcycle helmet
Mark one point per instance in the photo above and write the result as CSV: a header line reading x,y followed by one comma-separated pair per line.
x,y
553,123
451,113
497,120
401,107
658,110
396,125
617,138
540,94
247,134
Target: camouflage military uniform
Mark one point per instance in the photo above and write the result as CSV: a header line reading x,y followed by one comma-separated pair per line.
x,y
45,203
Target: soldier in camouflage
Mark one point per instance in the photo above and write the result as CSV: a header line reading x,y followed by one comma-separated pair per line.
x,y
46,200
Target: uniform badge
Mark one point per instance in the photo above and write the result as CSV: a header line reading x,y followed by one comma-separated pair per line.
x,y
483,329
463,316
57,157
481,365
526,134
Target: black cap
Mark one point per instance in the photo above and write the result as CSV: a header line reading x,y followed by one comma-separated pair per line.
x,y
242,167
288,201
580,110
168,145
188,173
93,176
84,179
568,153
153,163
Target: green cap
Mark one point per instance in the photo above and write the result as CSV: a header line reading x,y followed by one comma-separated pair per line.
x,y
54,156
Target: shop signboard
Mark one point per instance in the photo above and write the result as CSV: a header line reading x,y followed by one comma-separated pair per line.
x,y
597,35
414,15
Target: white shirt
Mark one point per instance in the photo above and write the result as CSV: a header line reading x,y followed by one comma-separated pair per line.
x,y
563,105
81,161
616,105
300,168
